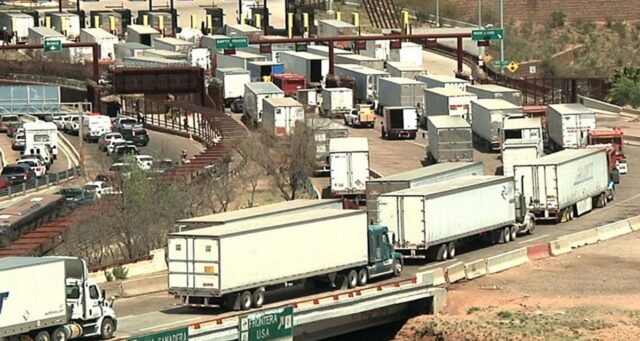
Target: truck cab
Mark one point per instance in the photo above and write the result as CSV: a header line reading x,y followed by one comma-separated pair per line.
x,y
383,259
361,116
615,138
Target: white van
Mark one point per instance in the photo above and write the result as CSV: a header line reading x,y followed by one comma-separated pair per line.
x,y
41,136
94,126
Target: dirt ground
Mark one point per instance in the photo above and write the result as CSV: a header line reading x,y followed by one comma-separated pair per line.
x,y
590,294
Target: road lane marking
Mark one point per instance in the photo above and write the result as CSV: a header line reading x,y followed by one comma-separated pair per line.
x,y
532,239
416,143
170,324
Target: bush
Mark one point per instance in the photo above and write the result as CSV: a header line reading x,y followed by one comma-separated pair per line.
x,y
505,314
557,19
108,275
120,272
473,310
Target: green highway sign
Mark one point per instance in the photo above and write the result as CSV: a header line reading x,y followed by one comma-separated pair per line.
x,y
232,43
494,34
52,45
500,64
180,334
267,325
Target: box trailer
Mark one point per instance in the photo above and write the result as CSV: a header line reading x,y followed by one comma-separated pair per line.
x,y
234,264
38,35
349,162
415,178
361,60
156,53
52,298
415,215
66,23
140,34
276,49
492,91
160,21
240,59
565,184
289,82
233,82
336,102
281,115
440,81
172,44
366,80
324,130
378,49
151,62
487,116
397,91
105,40
405,70
523,128
447,101
313,67
408,53
16,25
254,94
264,68
242,30
124,50
399,122
336,28
518,151
568,125
258,212
449,139
323,50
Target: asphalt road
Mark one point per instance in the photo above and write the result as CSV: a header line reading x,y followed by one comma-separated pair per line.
x,y
61,164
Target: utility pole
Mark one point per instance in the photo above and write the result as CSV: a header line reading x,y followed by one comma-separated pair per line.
x,y
481,50
503,35
330,11
437,13
81,142
240,12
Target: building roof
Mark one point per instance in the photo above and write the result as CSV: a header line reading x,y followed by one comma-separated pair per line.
x,y
348,144
446,121
428,171
448,185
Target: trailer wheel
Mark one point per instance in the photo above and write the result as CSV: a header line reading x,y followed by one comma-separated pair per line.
x,y
257,299
452,249
363,277
506,235
352,279
397,268
107,329
571,213
245,300
443,252
58,335
42,335
514,232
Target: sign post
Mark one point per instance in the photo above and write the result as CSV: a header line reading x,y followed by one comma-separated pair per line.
x,y
276,324
52,46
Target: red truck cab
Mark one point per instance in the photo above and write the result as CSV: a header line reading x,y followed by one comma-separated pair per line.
x,y
289,82
615,138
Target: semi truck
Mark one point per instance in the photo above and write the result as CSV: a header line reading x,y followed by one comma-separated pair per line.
x,y
415,215
336,28
52,298
313,67
289,82
449,140
492,91
563,185
16,25
66,23
447,101
441,81
568,125
349,162
254,94
233,82
234,264
405,70
399,123
415,178
325,130
522,128
396,91
366,80
172,44
614,137
516,151
240,59
336,102
487,116
281,115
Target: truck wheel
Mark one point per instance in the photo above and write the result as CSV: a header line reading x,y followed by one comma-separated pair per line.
x,y
58,335
42,335
363,277
245,300
532,227
107,329
571,213
514,232
352,279
397,268
257,299
506,235
443,252
452,249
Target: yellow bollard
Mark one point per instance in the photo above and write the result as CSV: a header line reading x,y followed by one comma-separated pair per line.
x,y
290,27
305,22
112,23
145,20
356,19
266,79
210,23
258,20
63,23
161,25
193,21
338,16
47,22
96,21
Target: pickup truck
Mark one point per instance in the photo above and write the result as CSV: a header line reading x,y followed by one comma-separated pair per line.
x,y
361,116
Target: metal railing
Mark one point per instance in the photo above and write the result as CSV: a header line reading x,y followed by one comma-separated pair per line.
x,y
198,127
38,184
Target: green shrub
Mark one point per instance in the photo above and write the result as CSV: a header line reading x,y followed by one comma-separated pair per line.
x,y
473,310
108,275
120,272
505,314
558,19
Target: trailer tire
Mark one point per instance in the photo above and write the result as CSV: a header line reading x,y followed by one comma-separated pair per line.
x,y
514,232
452,249
107,329
506,235
245,300
352,279
397,268
443,252
363,277
42,335
58,335
257,299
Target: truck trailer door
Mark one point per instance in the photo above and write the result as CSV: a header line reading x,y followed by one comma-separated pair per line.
x,y
315,71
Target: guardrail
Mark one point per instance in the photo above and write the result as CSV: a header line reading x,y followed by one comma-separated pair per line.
x,y
38,184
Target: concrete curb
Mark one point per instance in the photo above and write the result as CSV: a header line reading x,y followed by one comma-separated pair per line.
x,y
143,286
582,238
634,223
455,272
613,230
539,251
475,269
435,277
559,247
507,260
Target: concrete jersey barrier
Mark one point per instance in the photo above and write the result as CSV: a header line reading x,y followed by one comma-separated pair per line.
x,y
613,230
475,269
581,238
507,260
455,272
634,223
433,277
560,247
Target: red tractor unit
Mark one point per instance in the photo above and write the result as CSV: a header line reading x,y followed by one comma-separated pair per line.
x,y
289,82
615,138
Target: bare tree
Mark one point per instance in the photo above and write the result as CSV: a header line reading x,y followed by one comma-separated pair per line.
x,y
252,151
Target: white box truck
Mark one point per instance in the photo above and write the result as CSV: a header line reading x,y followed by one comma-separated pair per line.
x,y
568,125
105,40
336,102
233,81
399,123
366,80
361,60
415,178
422,229
408,53
52,298
405,70
400,92
281,115
66,23
565,184
523,128
518,151
313,67
240,59
447,101
349,162
441,81
254,94
487,116
42,136
336,28
234,264
16,25
324,130
172,44
242,30
94,126
492,91
449,139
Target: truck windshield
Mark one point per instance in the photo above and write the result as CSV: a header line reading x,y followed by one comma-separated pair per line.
x,y
44,138
73,292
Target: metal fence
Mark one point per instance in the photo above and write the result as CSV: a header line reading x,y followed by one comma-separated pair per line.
x,y
38,184
198,127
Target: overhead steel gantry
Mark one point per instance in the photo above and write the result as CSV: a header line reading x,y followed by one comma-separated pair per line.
x,y
397,37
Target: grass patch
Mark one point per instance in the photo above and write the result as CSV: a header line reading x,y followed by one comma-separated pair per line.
x,y
505,314
473,310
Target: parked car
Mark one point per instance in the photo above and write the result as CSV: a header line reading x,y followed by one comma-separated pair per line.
x,y
60,120
19,142
145,162
122,168
104,140
77,196
138,136
99,188
16,173
121,151
113,144
73,125
34,156
38,168
8,120
125,122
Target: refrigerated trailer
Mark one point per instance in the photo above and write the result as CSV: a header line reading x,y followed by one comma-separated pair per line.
x,y
415,178
234,264
366,80
568,125
565,184
336,28
105,40
336,102
486,121
349,162
404,69
447,101
399,122
397,91
449,139
66,23
324,130
518,151
281,115
254,94
233,81
425,222
523,128
16,25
